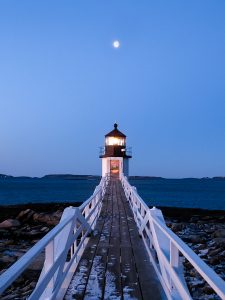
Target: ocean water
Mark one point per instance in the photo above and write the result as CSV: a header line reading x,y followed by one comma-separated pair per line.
x,y
19,190
193,193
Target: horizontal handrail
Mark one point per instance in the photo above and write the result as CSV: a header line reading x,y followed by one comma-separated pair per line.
x,y
76,221
167,246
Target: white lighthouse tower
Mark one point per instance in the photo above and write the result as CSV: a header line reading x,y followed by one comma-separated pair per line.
x,y
115,156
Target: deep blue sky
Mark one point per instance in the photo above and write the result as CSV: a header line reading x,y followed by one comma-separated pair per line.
x,y
62,85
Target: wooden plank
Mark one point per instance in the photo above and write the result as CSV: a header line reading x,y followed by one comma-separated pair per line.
x,y
130,282
113,289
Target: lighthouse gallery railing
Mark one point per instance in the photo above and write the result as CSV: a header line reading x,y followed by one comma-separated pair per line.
x,y
164,249
63,247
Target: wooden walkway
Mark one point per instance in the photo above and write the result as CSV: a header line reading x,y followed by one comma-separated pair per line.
x,y
115,264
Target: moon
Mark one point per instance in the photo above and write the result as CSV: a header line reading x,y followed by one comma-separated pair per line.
x,y
116,44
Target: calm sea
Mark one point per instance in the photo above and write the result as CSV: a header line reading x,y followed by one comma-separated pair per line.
x,y
194,193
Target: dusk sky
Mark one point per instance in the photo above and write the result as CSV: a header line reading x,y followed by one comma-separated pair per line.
x,y
63,85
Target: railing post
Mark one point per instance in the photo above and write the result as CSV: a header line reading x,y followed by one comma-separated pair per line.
x,y
174,255
49,262
87,211
95,201
160,242
174,261
75,242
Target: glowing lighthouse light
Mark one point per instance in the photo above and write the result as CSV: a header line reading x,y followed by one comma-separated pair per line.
x,y
111,140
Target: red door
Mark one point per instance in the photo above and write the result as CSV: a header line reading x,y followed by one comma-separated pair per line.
x,y
114,168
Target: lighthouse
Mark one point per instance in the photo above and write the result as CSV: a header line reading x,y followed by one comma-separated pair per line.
x,y
115,155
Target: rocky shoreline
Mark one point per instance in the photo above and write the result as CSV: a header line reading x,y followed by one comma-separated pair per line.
x,y
204,232
21,226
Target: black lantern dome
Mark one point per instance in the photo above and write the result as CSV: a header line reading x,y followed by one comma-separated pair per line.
x,y
115,144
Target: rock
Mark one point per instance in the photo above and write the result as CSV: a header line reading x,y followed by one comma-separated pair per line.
x,y
220,233
208,290
34,233
214,260
18,254
177,226
193,273
9,223
25,289
46,218
9,297
201,247
37,263
200,222
39,216
25,295
196,239
214,251
8,259
4,232
219,241
198,283
28,235
9,242
194,219
209,231
203,253
25,215
206,218
58,214
44,229
33,284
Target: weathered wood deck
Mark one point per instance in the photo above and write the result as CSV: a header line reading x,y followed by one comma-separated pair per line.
x,y
115,264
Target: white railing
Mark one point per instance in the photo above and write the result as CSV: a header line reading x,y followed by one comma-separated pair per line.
x,y
164,249
63,247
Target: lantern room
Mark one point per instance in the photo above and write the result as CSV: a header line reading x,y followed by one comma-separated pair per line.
x,y
114,141
115,154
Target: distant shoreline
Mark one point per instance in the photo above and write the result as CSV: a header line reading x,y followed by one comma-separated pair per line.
x,y
10,211
52,176
84,177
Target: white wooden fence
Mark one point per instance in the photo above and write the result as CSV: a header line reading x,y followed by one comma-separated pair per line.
x,y
165,248
63,247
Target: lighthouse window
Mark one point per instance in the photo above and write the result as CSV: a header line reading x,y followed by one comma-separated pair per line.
x,y
115,141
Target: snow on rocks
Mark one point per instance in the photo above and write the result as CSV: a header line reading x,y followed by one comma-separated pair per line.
x,y
9,223
206,236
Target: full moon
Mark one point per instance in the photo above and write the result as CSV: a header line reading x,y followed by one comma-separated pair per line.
x,y
116,44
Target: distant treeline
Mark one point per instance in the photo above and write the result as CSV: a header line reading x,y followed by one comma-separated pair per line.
x,y
53,176
85,177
